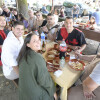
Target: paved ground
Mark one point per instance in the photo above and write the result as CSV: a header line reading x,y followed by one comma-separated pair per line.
x,y
8,91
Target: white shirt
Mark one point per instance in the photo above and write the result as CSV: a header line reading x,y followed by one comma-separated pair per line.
x,y
10,51
95,75
56,18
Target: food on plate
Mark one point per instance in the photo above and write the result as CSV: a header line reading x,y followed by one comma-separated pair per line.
x,y
57,66
52,69
50,61
56,57
56,62
77,65
54,52
50,56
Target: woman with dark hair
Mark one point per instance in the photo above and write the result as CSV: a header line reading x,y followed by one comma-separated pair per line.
x,y
22,19
35,82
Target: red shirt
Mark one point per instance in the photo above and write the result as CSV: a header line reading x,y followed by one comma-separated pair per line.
x,y
2,38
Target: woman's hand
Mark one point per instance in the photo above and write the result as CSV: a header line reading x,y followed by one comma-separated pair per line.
x,y
89,95
55,96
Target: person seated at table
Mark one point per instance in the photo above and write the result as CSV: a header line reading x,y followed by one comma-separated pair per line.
x,y
39,22
6,11
35,82
15,13
2,34
51,27
92,24
10,50
23,20
89,89
61,14
31,20
73,37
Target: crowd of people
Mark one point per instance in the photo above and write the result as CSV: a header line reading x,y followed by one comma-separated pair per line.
x,y
20,59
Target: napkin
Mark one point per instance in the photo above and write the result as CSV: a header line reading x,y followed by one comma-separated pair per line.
x,y
57,73
72,57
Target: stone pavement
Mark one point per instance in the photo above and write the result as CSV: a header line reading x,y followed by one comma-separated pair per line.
x,y
8,91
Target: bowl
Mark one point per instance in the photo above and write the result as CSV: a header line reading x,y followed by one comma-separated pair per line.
x,y
50,61
67,58
56,57
56,46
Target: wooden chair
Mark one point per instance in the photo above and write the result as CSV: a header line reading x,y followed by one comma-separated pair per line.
x,y
16,82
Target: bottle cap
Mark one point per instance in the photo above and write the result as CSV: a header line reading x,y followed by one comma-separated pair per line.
x,y
63,39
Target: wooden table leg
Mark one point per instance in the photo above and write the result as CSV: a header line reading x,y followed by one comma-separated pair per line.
x,y
63,93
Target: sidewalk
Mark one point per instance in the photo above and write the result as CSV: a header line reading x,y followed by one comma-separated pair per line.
x,y
8,91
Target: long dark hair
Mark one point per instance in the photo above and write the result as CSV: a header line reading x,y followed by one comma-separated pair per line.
x,y
25,49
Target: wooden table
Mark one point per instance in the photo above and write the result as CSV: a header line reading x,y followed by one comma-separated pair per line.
x,y
67,78
91,34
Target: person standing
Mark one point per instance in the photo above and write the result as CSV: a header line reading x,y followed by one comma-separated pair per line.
x,y
75,11
10,50
2,34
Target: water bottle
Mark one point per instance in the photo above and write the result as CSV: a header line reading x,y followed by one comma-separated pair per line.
x,y
42,37
63,48
62,62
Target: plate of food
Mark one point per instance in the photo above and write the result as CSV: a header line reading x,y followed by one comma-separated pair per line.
x,y
50,56
76,64
49,62
54,63
52,68
52,51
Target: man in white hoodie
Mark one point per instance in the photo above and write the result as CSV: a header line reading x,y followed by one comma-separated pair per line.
x,y
10,51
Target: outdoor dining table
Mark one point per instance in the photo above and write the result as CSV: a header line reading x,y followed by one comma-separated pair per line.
x,y
67,78
90,34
